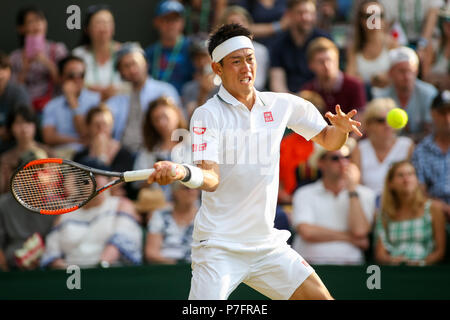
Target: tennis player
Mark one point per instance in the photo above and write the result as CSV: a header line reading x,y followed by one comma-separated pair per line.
x,y
234,238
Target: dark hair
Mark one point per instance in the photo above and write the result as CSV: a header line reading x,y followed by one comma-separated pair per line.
x,y
23,110
226,32
5,63
91,11
101,108
62,63
360,37
151,136
292,3
21,16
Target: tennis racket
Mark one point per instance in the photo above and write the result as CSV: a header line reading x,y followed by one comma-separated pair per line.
x,y
56,186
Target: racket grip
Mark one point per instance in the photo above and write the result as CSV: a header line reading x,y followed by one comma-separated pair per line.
x,y
137,175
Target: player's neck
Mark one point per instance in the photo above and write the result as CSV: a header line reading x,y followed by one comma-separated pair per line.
x,y
246,98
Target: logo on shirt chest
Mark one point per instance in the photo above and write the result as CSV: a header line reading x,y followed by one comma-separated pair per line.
x,y
199,130
268,116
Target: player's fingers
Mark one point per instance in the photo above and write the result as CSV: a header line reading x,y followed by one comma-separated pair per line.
x,y
352,113
356,130
339,111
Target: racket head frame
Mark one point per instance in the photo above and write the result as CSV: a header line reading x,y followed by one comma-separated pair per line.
x,y
91,172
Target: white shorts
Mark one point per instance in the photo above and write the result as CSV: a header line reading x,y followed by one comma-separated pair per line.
x,y
274,272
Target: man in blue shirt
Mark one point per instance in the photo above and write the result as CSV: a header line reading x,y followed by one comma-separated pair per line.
x,y
289,66
168,59
128,110
63,117
431,157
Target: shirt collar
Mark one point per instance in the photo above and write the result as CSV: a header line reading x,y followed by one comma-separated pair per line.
x,y
227,97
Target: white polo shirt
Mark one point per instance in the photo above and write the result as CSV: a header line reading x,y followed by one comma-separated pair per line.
x,y
313,204
246,145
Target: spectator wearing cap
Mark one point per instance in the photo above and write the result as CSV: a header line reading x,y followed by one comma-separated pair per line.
x,y
63,125
409,93
333,216
202,87
128,109
431,157
11,94
239,15
168,58
98,49
333,85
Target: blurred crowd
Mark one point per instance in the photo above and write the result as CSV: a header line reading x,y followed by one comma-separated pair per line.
x,y
122,106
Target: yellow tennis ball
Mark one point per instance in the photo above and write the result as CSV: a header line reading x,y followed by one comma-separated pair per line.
x,y
397,118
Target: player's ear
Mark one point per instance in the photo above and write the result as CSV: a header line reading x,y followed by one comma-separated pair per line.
x,y
217,68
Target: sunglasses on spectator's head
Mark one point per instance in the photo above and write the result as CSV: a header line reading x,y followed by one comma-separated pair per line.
x,y
75,75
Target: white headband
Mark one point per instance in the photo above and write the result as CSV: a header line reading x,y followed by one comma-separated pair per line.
x,y
230,45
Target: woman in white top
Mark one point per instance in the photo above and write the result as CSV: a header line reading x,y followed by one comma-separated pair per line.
x,y
374,154
367,55
98,51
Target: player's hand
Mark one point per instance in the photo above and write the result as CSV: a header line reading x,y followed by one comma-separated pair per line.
x,y
344,122
166,172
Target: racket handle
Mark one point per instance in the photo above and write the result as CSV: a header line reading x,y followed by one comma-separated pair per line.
x,y
137,175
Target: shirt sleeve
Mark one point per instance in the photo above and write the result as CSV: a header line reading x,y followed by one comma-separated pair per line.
x,y
205,138
305,119
49,118
301,206
368,198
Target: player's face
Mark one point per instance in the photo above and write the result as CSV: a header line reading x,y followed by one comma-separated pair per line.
x,y
238,71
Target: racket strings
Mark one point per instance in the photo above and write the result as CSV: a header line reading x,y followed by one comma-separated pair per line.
x,y
52,186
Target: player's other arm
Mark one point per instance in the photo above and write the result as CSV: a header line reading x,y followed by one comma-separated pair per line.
x,y
334,136
165,174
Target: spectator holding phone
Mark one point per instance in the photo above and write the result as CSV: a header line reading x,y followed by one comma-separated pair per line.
x,y
34,63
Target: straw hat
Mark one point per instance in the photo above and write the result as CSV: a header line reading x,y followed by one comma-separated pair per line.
x,y
150,199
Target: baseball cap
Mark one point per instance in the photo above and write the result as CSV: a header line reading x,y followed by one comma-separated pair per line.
x,y
169,6
403,54
441,101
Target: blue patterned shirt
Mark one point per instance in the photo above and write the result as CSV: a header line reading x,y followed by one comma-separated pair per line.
x,y
433,168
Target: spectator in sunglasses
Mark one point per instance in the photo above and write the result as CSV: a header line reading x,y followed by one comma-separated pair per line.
x,y
333,216
63,124
381,147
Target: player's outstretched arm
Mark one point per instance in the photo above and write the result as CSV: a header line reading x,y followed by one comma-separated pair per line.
x,y
167,172
333,137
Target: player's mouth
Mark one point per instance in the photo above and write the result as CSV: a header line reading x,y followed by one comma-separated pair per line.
x,y
246,80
